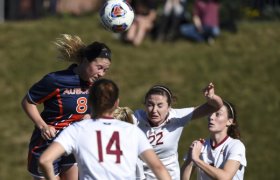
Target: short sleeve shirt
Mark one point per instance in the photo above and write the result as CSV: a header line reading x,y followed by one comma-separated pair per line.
x,y
165,138
104,149
231,149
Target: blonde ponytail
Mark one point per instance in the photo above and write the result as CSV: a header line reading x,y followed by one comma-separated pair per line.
x,y
70,48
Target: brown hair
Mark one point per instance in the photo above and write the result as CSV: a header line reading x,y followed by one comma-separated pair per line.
x,y
72,48
124,114
233,129
103,95
161,90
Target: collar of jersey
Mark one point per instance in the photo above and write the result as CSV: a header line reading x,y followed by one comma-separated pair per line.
x,y
217,145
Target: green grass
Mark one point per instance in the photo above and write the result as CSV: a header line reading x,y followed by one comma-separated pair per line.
x,y
244,68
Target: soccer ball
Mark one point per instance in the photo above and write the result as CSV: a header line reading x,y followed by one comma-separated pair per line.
x,y
116,15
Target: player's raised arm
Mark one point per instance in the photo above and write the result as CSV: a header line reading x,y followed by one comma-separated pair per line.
x,y
214,102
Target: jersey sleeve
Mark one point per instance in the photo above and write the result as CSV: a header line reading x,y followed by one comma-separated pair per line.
x,y
237,152
143,141
67,138
182,116
139,116
42,90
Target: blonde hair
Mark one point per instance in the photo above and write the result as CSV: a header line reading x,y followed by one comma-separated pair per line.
x,y
70,48
123,114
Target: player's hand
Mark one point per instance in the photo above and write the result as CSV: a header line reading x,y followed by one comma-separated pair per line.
x,y
212,99
48,132
202,140
196,147
209,91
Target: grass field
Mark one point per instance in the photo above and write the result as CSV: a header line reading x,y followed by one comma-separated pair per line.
x,y
244,68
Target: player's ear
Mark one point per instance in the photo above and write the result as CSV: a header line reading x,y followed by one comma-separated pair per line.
x,y
229,122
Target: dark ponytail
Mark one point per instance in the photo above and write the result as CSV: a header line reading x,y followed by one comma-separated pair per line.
x,y
103,95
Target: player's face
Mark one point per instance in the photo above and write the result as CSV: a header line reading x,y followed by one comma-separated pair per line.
x,y
157,109
218,121
96,69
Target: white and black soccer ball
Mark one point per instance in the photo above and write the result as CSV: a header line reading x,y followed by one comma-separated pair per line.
x,y
116,15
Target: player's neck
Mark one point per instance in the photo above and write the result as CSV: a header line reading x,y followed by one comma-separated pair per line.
x,y
105,116
218,139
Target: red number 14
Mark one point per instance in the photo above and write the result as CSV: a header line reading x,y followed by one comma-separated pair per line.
x,y
113,142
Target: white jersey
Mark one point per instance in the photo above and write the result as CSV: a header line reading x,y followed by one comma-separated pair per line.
x,y
230,149
165,138
104,148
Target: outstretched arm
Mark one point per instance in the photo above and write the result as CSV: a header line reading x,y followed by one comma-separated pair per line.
x,y
150,157
214,103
